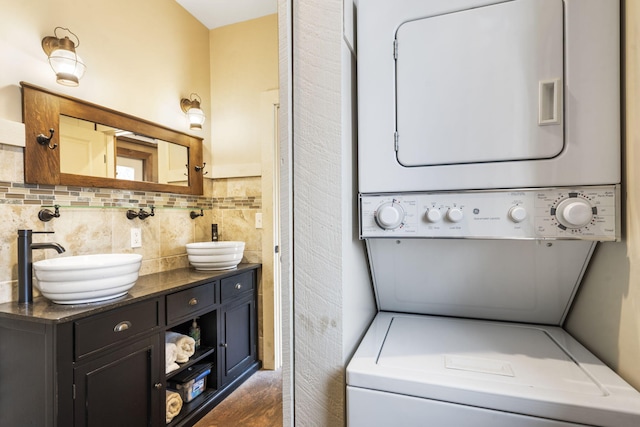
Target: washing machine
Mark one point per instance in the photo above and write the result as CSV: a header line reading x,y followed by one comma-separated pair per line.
x,y
469,334
488,172
435,371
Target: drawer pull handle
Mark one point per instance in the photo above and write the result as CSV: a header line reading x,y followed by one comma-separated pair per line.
x,y
157,386
238,286
122,326
193,301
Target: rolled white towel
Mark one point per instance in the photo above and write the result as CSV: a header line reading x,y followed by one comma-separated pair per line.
x,y
185,345
170,352
172,367
174,405
171,355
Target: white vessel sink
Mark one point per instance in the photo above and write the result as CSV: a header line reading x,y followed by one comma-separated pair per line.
x,y
215,255
86,278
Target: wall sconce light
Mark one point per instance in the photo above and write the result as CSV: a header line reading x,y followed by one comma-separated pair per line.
x,y
194,114
63,59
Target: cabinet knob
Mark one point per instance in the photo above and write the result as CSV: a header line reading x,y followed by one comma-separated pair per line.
x,y
193,301
224,344
157,386
122,326
238,286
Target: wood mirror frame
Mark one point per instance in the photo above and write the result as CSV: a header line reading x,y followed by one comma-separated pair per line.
x,y
41,110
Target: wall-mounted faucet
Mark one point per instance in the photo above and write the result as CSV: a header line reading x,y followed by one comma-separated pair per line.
x,y
25,262
46,215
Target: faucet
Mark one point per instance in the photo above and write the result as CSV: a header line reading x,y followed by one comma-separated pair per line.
x,y
25,262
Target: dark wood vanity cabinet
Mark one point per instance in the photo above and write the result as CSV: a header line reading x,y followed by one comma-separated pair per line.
x,y
106,366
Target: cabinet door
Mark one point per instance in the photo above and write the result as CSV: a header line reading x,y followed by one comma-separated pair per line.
x,y
121,388
238,346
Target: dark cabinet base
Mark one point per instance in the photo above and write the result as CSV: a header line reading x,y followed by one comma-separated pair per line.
x,y
104,364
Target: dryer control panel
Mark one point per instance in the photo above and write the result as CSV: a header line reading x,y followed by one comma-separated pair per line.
x,y
584,213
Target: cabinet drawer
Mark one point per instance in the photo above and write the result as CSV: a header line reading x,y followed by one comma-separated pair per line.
x,y
236,285
102,330
190,302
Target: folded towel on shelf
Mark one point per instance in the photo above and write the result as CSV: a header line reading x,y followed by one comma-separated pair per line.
x,y
171,355
174,405
185,344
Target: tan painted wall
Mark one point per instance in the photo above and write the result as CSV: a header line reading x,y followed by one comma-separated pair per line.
x,y
606,313
141,58
244,65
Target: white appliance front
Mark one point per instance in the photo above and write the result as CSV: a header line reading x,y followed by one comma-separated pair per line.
x,y
420,370
486,94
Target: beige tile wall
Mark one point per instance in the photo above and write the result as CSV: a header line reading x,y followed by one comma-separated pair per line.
x,y
94,220
235,204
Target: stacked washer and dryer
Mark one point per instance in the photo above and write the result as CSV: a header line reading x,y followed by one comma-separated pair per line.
x,y
489,160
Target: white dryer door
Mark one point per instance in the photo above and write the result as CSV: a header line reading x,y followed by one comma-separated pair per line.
x,y
481,85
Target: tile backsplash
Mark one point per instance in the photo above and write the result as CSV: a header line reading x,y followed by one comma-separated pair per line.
x,y
93,220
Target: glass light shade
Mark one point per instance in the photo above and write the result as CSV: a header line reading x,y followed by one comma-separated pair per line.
x,y
196,118
67,65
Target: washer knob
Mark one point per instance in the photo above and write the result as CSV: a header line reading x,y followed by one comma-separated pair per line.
x,y
574,213
454,214
433,215
517,213
389,215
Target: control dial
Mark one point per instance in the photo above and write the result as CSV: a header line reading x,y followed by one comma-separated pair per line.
x,y
574,212
389,215
454,214
433,215
517,213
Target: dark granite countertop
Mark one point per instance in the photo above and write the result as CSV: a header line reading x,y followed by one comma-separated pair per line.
x,y
146,287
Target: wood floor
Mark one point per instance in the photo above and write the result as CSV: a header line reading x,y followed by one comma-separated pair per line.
x,y
256,403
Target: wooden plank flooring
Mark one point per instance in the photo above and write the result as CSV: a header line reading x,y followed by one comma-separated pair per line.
x,y
256,403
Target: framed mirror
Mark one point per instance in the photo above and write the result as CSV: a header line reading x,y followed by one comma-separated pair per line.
x,y
93,146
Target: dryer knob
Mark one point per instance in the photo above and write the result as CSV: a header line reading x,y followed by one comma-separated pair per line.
x,y
389,215
517,213
433,215
454,214
574,213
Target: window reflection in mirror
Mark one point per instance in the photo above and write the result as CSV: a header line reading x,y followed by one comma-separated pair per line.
x,y
92,149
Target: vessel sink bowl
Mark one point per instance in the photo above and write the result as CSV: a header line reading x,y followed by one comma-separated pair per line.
x,y
215,255
86,278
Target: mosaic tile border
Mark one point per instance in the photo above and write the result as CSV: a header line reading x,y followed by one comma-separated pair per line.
x,y
17,193
250,202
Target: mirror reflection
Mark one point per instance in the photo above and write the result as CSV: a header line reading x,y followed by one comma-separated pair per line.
x,y
92,149
93,146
